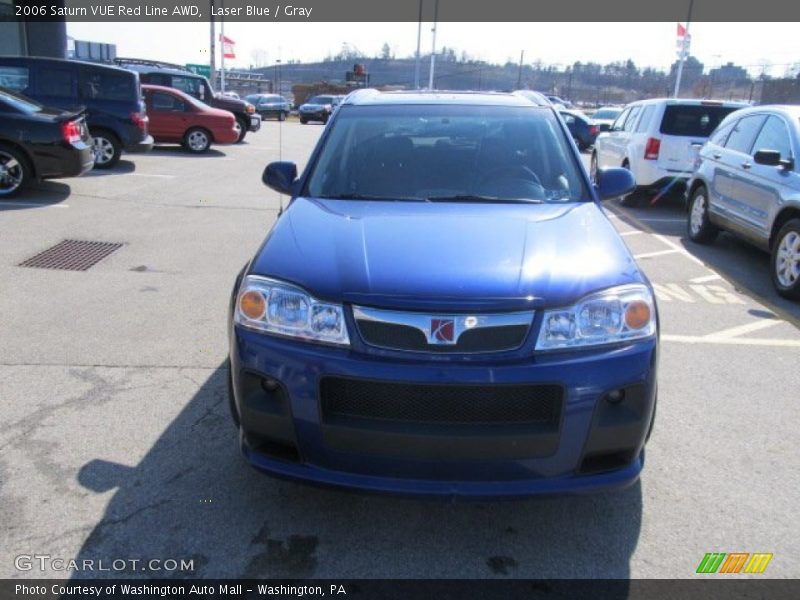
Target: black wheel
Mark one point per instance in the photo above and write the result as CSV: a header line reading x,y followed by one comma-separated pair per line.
x,y
786,260
281,116
107,149
15,171
325,119
231,398
303,121
698,225
197,140
593,168
242,129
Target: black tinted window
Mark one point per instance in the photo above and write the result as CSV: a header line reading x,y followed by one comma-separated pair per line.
x,y
774,136
435,151
743,134
164,102
54,82
106,85
694,121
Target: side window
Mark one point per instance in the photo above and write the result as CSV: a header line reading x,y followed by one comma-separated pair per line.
x,y
99,85
774,136
631,120
742,137
647,115
54,82
156,79
14,78
617,125
721,135
191,85
163,102
568,119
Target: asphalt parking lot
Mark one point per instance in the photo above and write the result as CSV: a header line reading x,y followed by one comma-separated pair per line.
x,y
116,441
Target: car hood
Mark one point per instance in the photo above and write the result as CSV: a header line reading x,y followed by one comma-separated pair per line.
x,y
419,255
231,104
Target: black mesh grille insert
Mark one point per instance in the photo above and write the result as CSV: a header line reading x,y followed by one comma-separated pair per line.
x,y
403,337
440,404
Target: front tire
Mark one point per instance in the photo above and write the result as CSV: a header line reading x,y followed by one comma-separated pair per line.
x,y
303,121
281,116
242,129
15,171
197,140
698,224
786,260
107,149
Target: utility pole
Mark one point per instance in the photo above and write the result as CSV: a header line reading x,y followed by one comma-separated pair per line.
x,y
433,49
683,52
519,73
222,58
212,48
419,39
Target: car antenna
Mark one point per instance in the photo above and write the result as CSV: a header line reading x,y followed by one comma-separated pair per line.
x,y
280,130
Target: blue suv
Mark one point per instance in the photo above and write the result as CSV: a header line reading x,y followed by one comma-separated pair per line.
x,y
112,97
444,308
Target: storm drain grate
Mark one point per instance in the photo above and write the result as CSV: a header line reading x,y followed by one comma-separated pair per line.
x,y
72,255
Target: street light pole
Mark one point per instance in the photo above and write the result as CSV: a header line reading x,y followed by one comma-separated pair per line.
x,y
683,52
419,40
433,50
212,48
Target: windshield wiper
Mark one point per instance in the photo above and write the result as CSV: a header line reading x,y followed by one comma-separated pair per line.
x,y
358,197
479,198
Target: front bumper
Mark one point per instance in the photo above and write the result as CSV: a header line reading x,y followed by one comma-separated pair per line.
x,y
598,445
255,123
318,115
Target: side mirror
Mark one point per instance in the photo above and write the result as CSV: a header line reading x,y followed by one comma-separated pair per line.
x,y
772,158
614,182
280,176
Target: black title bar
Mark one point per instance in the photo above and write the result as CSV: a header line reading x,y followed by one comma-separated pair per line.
x,y
488,11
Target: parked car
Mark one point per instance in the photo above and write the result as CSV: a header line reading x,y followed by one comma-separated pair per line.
x,y
270,105
747,182
535,97
230,95
178,118
583,129
465,320
318,108
560,102
111,96
180,78
658,140
39,143
605,116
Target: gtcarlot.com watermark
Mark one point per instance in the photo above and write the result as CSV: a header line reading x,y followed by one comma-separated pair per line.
x,y
47,562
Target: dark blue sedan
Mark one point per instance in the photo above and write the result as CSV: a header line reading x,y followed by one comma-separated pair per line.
x,y
444,309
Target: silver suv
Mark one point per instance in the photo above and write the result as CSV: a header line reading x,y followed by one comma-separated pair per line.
x,y
746,181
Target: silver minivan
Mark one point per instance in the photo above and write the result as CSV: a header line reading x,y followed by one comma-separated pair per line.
x,y
747,182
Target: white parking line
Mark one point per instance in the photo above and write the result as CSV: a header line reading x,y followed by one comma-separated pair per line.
x,y
706,278
693,339
658,253
33,205
733,332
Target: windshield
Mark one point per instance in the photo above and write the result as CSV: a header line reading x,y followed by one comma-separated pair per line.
x,y
21,104
431,152
607,113
321,100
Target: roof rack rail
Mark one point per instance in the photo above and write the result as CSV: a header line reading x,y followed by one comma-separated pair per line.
x,y
151,63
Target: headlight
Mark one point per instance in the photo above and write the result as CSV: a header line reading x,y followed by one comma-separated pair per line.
x,y
274,307
615,315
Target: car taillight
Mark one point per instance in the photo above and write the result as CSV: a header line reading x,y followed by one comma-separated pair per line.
x,y
251,109
594,130
652,148
71,132
140,119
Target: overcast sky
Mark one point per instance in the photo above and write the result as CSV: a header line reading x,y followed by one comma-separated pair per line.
x,y
647,44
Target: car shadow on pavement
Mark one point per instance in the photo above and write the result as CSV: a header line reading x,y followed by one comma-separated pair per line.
x,y
192,497
179,151
38,195
744,265
123,167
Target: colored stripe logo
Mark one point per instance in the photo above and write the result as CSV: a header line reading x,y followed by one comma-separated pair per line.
x,y
735,562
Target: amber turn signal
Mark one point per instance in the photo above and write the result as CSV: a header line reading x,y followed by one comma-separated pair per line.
x,y
637,314
253,305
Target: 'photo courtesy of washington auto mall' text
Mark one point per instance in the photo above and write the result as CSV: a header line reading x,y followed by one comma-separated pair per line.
x,y
399,299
